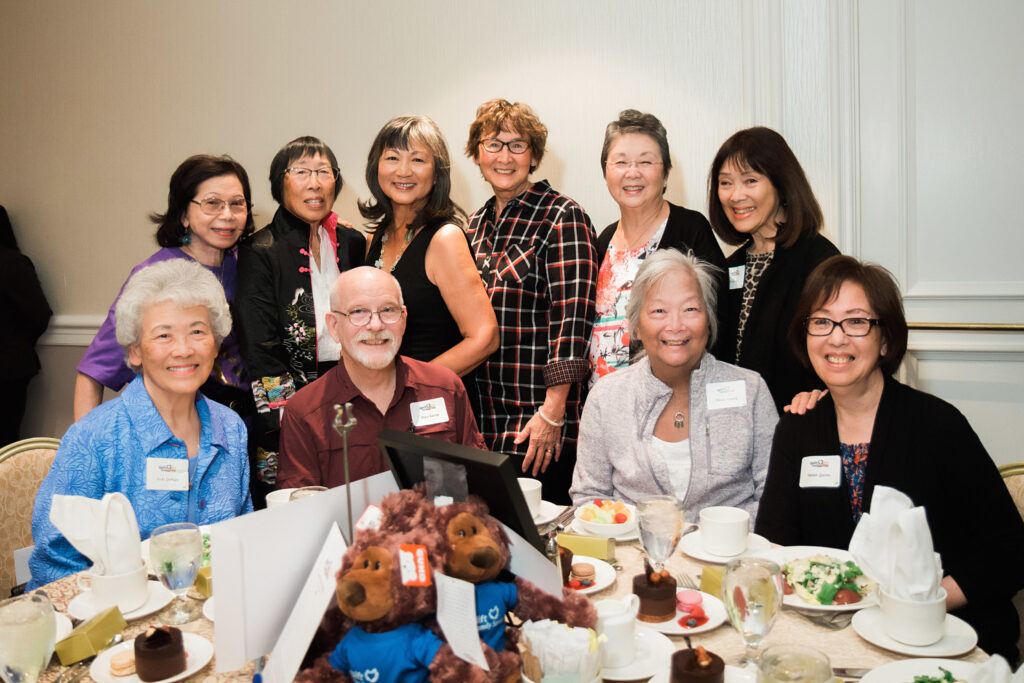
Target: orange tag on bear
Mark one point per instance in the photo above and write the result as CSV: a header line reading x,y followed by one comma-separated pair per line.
x,y
412,560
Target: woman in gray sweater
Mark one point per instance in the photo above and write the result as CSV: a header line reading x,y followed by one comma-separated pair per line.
x,y
676,422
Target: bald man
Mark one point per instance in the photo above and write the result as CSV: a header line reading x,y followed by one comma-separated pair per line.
x,y
386,390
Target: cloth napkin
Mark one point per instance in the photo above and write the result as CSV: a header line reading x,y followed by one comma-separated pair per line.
x,y
996,670
105,531
892,544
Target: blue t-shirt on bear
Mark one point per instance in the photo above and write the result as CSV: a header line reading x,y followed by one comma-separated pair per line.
x,y
493,599
404,654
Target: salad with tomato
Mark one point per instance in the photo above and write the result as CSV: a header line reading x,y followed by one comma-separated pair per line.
x,y
824,580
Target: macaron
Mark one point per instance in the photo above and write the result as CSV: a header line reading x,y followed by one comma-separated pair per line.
x,y
122,664
584,573
688,599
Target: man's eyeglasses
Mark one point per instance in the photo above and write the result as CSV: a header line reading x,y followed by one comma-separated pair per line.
x,y
360,317
212,206
851,327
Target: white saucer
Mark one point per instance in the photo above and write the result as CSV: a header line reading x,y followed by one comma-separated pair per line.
x,y
958,639
547,513
907,669
737,674
691,545
208,609
604,574
713,608
64,627
81,607
653,654
198,653
628,536
794,552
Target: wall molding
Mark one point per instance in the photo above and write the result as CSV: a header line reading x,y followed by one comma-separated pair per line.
x,y
845,122
71,330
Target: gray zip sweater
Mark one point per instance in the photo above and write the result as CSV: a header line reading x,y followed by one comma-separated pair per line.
x,y
729,446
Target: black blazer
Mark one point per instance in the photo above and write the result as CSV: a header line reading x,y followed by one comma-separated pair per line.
x,y
26,315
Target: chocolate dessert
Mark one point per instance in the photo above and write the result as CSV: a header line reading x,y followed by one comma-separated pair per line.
x,y
697,666
565,559
159,653
657,593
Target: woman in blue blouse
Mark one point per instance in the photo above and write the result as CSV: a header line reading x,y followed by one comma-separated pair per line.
x,y
171,318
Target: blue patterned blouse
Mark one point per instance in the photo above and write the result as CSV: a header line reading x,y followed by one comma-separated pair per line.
x,y
107,450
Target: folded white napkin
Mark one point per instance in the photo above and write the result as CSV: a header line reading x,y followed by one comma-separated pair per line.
x,y
892,544
105,531
996,670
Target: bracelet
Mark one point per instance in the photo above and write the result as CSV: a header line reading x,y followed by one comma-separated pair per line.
x,y
550,422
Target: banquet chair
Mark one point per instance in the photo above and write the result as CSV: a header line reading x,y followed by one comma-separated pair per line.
x,y
1013,475
23,466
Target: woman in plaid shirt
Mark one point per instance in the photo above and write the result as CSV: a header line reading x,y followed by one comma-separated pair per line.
x,y
535,249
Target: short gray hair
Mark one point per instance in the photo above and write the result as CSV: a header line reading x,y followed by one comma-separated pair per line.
x,y
633,121
337,289
661,263
180,281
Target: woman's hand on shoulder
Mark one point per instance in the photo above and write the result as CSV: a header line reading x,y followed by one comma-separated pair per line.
x,y
804,401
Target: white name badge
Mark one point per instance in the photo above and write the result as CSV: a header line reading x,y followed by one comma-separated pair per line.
x,y
167,474
736,274
820,471
429,412
727,394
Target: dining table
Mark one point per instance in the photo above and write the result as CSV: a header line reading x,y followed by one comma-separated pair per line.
x,y
844,647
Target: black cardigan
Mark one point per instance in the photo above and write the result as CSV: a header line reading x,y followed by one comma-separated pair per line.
x,y
765,346
925,448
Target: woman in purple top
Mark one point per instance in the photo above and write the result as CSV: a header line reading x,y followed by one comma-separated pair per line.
x,y
208,211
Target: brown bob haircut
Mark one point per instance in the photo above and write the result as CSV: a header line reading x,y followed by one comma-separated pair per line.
x,y
498,115
766,152
824,283
185,180
305,146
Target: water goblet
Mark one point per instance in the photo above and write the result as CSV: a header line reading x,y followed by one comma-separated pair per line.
x,y
752,593
794,664
661,526
176,553
27,633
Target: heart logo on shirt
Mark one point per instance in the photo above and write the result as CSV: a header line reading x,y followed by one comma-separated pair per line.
x,y
371,675
494,613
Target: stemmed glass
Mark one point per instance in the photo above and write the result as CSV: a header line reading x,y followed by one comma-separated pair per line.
x,y
176,553
661,527
752,593
27,632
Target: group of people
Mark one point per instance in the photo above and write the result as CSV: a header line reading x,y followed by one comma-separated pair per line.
x,y
641,361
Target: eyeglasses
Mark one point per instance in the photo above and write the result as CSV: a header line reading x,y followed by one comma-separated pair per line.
x,y
322,174
851,327
623,165
212,206
494,146
361,317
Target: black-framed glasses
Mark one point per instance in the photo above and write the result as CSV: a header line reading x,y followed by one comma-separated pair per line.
x,y
361,317
212,206
321,174
494,145
851,327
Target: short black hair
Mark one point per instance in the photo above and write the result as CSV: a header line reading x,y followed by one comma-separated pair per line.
x,y
305,146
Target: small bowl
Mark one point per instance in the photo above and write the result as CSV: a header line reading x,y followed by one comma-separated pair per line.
x,y
607,530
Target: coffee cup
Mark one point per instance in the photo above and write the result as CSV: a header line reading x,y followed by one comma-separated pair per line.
x,y
279,497
724,530
531,492
616,620
914,622
127,591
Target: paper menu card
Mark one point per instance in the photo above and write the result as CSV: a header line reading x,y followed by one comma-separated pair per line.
x,y
533,565
261,562
456,614
309,609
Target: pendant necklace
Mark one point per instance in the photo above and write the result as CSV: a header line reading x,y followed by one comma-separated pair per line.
x,y
679,420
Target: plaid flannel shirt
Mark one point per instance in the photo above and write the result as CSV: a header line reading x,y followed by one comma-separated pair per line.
x,y
539,263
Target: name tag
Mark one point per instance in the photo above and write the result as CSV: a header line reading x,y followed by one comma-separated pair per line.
x,y
820,471
727,394
167,474
736,275
429,412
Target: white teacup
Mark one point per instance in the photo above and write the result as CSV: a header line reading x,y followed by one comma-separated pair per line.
x,y
279,497
616,619
914,622
531,492
127,591
724,530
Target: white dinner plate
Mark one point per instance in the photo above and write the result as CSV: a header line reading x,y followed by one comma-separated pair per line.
x,y
795,552
905,669
198,653
628,536
547,513
713,608
208,609
653,654
691,545
737,674
64,627
204,529
82,607
604,574
958,636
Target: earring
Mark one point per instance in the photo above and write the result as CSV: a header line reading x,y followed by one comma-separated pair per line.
x,y
186,239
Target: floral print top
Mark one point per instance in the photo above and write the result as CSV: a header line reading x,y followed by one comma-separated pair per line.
x,y
855,462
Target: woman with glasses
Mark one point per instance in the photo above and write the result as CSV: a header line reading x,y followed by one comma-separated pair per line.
x,y
635,161
760,200
534,248
870,430
418,237
208,211
285,275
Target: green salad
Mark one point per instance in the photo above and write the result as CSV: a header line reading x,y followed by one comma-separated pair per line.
x,y
819,580
946,677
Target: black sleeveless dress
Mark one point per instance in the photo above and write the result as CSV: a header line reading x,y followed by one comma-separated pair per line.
x,y
430,329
